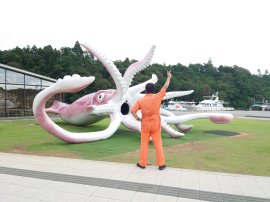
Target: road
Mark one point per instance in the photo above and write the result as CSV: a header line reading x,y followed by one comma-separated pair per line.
x,y
237,114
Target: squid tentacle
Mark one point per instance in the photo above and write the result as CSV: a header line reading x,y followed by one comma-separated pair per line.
x,y
71,85
214,117
131,123
135,90
105,108
173,94
180,126
134,68
168,129
121,87
165,112
183,128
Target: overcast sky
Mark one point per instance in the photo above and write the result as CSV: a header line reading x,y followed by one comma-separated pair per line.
x,y
230,32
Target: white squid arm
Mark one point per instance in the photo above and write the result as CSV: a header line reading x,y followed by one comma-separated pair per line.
x,y
168,129
121,87
131,123
165,112
136,67
174,94
135,90
70,85
105,108
214,117
180,126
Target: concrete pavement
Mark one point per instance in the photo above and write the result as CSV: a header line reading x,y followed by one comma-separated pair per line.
x,y
38,178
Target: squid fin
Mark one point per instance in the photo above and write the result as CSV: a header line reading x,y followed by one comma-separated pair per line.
x,y
56,107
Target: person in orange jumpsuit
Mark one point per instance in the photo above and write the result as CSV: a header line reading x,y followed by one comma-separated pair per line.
x,y
150,122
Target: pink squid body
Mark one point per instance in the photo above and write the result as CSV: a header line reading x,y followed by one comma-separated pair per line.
x,y
79,112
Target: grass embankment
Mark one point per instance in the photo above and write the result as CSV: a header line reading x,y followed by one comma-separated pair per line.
x,y
242,146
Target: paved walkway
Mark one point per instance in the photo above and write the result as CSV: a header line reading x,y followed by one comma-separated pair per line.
x,y
36,178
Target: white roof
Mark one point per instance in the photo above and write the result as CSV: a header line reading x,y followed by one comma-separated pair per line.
x,y
26,72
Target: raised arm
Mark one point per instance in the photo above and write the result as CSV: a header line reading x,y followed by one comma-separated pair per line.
x,y
167,83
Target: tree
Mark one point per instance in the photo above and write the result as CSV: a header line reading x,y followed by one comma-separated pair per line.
x,y
235,84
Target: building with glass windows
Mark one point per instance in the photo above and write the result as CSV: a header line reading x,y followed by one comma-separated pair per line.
x,y
18,89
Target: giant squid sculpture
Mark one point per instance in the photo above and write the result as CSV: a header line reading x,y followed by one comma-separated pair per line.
x,y
114,103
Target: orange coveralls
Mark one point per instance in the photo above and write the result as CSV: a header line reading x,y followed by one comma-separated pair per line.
x,y
150,108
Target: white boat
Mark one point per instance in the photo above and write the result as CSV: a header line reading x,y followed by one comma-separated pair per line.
x,y
175,106
180,105
212,103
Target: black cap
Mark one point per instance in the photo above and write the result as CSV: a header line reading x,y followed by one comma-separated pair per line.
x,y
150,88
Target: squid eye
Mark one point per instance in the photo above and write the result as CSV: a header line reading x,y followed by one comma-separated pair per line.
x,y
100,96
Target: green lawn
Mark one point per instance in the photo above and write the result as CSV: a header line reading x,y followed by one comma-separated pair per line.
x,y
242,146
